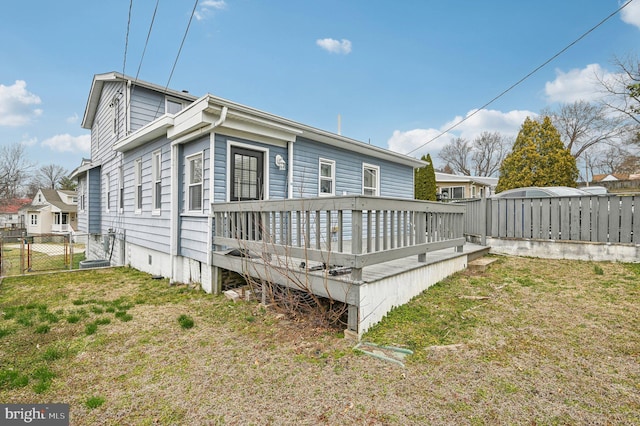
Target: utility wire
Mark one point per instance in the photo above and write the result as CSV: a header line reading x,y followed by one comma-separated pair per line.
x,y
146,43
522,79
126,39
186,31
144,50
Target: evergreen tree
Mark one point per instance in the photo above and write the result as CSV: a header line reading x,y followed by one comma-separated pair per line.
x,y
430,178
538,158
425,181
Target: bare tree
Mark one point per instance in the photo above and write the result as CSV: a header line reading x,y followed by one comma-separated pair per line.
x,y
456,155
615,159
14,171
623,90
489,149
49,176
583,125
482,156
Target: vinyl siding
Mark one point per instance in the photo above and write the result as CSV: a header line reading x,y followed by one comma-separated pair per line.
x,y
93,206
146,106
395,180
146,228
83,223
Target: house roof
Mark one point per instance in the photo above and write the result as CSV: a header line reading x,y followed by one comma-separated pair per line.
x,y
210,111
96,91
478,180
52,197
13,206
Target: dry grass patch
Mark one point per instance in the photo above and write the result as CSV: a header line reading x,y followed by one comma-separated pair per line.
x,y
536,342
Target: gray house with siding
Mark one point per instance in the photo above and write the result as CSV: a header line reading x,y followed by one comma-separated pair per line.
x,y
161,158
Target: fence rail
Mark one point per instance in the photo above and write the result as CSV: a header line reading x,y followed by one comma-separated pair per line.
x,y
350,231
601,218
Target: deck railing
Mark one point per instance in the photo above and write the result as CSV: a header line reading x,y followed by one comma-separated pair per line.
x,y
347,231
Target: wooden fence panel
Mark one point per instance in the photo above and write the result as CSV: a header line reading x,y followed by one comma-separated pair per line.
x,y
605,219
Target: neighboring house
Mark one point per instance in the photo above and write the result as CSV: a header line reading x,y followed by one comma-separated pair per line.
x,y
51,212
160,158
10,213
455,187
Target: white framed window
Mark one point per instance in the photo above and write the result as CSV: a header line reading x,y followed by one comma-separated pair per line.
x,y
194,180
327,177
173,106
107,190
34,219
453,192
115,116
156,176
138,181
121,188
81,201
370,180
473,191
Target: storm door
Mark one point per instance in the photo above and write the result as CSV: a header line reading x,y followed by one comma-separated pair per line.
x,y
247,183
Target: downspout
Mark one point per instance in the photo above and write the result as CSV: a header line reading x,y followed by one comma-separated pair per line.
x,y
213,281
290,169
175,213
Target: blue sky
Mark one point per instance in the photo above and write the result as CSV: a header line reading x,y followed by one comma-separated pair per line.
x,y
398,73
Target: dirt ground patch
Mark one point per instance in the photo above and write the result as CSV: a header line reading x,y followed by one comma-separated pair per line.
x,y
527,342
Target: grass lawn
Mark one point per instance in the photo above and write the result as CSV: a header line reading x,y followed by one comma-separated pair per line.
x,y
529,341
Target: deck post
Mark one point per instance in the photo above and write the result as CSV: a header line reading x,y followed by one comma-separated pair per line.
x,y
352,318
356,241
421,233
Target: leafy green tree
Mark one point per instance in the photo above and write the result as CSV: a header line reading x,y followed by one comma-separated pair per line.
x,y
68,184
538,158
425,180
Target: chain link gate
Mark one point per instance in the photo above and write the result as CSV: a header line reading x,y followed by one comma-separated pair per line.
x,y
38,253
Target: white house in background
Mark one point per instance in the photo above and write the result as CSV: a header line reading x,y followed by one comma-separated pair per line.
x,y
51,212
455,187
10,213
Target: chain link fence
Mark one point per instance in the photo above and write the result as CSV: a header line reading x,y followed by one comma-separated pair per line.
x,y
26,254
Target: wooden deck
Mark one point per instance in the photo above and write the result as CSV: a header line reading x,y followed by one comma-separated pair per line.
x,y
380,252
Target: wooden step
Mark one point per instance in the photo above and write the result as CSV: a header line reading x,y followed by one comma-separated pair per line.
x,y
481,264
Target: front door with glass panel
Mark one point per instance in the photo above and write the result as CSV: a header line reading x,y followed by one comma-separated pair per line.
x,y
247,183
247,175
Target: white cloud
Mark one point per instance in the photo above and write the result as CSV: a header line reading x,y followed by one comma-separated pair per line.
x,y
576,84
478,121
73,119
68,143
207,7
335,46
27,141
17,104
631,13
405,142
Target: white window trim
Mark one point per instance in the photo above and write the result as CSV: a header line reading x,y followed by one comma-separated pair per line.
x,y
81,197
332,163
377,169
137,164
168,99
189,184
265,167
156,176
115,116
33,219
121,189
107,190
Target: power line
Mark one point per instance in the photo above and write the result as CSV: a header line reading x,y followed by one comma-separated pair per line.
x,y
126,39
186,31
522,79
146,43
